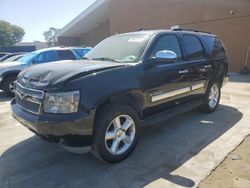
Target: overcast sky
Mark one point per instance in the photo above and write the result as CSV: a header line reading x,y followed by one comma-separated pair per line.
x,y
37,16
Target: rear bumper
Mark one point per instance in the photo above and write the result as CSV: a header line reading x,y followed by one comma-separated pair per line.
x,y
74,130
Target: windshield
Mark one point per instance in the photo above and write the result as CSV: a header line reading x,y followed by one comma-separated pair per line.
x,y
27,58
120,48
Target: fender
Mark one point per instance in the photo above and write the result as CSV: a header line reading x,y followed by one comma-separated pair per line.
x,y
133,98
8,73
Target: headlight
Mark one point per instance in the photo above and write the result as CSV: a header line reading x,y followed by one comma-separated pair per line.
x,y
66,102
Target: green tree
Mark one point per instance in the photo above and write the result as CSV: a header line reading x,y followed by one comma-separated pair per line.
x,y
50,36
10,34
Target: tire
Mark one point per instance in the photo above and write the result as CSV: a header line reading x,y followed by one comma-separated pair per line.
x,y
112,143
211,98
8,85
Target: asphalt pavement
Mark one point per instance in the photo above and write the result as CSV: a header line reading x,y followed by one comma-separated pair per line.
x,y
181,151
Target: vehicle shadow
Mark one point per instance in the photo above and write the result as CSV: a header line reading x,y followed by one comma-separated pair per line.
x,y
239,78
161,150
3,97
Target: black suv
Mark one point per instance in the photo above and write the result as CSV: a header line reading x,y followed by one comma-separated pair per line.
x,y
126,82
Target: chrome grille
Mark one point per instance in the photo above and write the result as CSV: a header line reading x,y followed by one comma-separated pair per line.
x,y
31,92
29,99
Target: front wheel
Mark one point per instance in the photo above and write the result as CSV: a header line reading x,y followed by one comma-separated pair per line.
x,y
9,86
212,97
116,133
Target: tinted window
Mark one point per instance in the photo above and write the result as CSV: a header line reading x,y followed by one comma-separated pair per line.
x,y
193,47
65,55
46,57
214,45
168,42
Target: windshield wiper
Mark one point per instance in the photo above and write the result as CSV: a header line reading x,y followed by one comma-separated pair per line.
x,y
105,59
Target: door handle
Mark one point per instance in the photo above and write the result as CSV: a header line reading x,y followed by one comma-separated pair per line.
x,y
207,66
183,71
203,70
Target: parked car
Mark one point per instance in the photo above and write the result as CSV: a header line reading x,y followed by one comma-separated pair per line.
x,y
9,55
13,58
10,70
126,82
3,54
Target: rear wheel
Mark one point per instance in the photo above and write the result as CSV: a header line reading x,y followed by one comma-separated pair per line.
x,y
212,97
9,85
116,133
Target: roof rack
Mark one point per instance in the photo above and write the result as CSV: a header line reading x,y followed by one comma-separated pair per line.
x,y
180,29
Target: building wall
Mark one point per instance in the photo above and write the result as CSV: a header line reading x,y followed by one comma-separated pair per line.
x,y
68,41
234,34
229,19
96,35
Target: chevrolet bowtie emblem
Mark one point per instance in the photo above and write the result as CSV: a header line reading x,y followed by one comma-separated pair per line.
x,y
22,96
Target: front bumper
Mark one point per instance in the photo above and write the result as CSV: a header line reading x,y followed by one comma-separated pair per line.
x,y
74,130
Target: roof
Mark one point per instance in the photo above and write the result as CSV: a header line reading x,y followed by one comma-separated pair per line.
x,y
154,32
145,32
52,48
61,48
93,16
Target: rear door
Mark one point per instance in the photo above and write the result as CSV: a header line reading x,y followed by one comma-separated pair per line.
x,y
198,65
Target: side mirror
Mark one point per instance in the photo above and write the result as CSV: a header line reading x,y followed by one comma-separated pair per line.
x,y
165,56
34,61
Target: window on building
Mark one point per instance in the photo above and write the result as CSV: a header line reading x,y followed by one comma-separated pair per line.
x,y
168,42
193,47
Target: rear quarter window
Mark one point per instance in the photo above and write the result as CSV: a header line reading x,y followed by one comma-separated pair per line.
x,y
214,44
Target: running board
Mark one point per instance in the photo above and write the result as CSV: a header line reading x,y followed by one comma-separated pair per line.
x,y
162,116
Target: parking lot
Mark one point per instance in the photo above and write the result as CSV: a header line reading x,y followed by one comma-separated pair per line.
x,y
180,152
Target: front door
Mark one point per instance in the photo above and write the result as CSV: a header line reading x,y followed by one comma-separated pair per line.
x,y
167,84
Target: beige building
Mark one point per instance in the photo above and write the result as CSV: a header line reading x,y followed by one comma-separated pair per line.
x,y
229,19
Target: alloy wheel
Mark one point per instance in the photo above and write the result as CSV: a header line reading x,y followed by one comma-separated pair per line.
x,y
12,86
213,96
120,134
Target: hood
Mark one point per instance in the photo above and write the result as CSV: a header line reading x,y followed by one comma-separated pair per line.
x,y
55,74
9,64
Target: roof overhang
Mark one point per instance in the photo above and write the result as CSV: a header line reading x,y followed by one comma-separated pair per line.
x,y
93,16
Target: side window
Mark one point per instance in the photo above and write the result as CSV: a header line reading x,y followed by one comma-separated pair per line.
x,y
66,55
213,43
46,57
193,47
168,42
